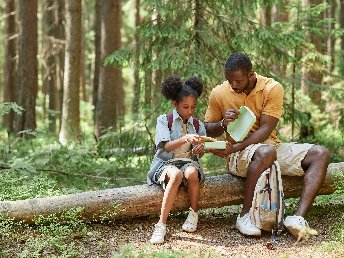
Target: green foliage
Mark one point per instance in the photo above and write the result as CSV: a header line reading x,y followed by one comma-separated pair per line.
x,y
50,236
6,107
129,251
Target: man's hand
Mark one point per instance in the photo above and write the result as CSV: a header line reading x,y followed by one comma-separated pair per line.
x,y
230,116
224,153
198,150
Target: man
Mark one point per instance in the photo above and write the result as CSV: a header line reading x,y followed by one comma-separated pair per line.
x,y
258,151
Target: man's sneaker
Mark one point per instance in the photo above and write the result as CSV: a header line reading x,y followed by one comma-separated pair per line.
x,y
246,225
190,224
159,233
295,224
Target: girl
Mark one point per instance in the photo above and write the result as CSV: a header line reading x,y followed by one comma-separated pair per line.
x,y
178,151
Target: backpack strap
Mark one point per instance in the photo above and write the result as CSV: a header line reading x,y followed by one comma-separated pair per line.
x,y
169,120
196,124
276,231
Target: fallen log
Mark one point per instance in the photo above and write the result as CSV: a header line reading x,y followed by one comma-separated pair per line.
x,y
142,200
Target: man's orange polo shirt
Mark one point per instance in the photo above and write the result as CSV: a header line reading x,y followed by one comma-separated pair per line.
x,y
265,99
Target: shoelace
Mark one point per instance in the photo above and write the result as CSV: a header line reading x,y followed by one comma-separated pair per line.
x,y
247,220
191,218
303,222
159,231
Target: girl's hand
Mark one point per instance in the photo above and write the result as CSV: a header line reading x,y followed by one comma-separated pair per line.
x,y
198,150
192,138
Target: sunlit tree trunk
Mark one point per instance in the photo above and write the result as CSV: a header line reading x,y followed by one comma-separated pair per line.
x,y
70,126
156,73
10,61
27,78
59,58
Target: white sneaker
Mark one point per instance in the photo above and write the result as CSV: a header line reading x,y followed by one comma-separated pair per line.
x,y
295,224
159,233
246,226
190,224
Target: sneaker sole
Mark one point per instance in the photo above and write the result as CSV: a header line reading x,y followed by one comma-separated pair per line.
x,y
256,234
294,231
156,243
189,230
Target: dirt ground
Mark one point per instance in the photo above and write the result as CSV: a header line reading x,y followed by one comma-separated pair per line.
x,y
216,236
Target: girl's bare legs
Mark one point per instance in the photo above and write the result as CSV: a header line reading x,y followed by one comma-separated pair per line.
x,y
174,178
191,176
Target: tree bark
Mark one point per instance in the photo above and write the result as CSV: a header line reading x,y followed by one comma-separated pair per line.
x,y
97,42
53,46
331,14
70,124
137,84
10,62
110,92
313,75
143,200
27,79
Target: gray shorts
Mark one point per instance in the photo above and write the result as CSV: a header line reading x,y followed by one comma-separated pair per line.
x,y
181,164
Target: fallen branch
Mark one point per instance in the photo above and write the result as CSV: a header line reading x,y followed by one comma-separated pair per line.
x,y
142,200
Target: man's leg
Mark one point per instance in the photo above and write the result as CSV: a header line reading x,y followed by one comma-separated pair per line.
x,y
262,159
315,166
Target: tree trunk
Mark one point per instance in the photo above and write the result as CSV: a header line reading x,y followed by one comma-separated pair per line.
x,y
313,75
110,92
51,50
70,125
97,42
118,71
331,14
10,62
61,39
266,16
27,79
280,14
341,22
137,85
143,200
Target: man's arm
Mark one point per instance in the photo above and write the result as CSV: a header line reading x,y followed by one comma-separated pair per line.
x,y
214,129
217,129
267,125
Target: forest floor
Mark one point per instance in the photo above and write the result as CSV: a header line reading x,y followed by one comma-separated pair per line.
x,y
217,236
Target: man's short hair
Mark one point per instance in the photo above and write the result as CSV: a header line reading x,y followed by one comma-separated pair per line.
x,y
238,61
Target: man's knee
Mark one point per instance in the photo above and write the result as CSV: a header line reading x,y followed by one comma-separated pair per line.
x,y
265,155
319,152
317,155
